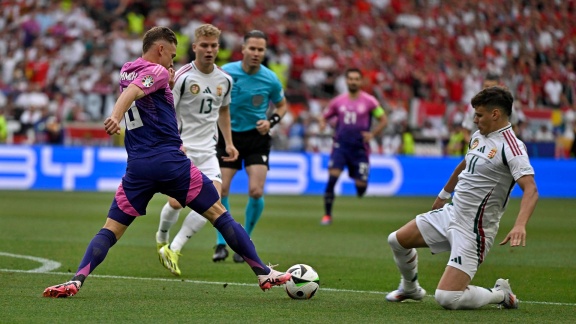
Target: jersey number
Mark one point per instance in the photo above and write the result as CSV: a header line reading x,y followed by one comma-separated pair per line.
x,y
132,117
208,108
349,117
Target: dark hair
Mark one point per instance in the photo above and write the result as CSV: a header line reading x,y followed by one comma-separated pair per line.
x,y
155,34
255,34
494,98
350,70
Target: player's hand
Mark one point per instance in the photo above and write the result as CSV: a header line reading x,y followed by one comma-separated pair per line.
x,y
263,126
438,203
516,237
112,126
367,136
232,154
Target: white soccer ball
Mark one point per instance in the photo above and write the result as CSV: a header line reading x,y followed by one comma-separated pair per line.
x,y
304,282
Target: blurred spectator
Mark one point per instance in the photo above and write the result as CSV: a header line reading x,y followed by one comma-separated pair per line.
x,y
436,51
544,134
3,126
457,145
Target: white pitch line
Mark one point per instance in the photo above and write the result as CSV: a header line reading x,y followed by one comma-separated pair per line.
x,y
49,264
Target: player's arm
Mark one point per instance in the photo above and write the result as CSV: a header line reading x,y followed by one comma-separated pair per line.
x,y
449,187
517,236
382,119
264,126
226,130
127,97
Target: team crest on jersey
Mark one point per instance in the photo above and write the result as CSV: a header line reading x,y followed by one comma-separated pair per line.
x,y
475,143
492,153
219,90
148,81
195,88
257,100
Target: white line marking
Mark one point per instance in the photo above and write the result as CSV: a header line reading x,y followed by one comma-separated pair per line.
x,y
48,264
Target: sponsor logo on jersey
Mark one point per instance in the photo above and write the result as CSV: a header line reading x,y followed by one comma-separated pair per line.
x,y
219,90
492,153
194,88
475,143
257,100
207,90
128,76
148,81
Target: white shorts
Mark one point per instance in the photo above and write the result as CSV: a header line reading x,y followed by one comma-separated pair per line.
x,y
441,233
208,164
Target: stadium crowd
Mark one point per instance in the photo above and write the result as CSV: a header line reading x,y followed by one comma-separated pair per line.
x,y
423,59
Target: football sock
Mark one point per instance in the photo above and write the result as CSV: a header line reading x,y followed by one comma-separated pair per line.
x,y
471,298
240,242
329,195
361,190
95,253
219,238
253,212
168,217
192,224
406,261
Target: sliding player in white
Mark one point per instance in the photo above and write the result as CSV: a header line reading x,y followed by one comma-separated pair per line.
x,y
495,162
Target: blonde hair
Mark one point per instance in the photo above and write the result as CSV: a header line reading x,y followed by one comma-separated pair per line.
x,y
207,30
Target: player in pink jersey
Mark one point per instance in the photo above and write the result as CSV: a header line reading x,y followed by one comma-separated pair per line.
x,y
353,112
156,163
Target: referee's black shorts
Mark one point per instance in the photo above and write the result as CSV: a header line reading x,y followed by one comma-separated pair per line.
x,y
253,147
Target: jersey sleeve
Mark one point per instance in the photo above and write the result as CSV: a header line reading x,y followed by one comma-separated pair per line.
x,y
517,159
152,79
375,109
228,92
277,93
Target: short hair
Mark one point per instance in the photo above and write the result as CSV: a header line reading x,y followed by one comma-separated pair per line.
x,y
158,33
352,70
494,98
255,34
207,30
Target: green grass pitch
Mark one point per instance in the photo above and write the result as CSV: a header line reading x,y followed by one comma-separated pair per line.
x,y
352,257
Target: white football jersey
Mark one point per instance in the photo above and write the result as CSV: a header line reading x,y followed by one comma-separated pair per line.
x,y
493,165
197,99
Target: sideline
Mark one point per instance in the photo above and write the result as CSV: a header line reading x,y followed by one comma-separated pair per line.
x,y
48,265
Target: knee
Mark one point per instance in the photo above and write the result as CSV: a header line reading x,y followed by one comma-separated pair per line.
x,y
174,203
448,299
393,242
256,193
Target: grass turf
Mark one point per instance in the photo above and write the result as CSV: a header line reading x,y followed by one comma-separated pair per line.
x,y
351,256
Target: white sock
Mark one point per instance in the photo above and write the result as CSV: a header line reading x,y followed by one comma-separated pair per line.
x,y
192,224
168,217
472,298
406,261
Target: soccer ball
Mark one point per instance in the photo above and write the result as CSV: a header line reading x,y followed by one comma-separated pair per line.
x,y
304,282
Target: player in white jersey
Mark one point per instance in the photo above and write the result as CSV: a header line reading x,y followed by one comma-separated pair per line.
x,y
201,97
482,182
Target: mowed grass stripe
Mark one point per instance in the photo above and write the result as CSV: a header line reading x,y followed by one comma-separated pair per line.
x,y
200,282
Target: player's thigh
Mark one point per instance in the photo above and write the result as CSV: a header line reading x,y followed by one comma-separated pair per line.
x,y
256,177
227,176
433,226
463,261
358,166
137,188
453,279
337,159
